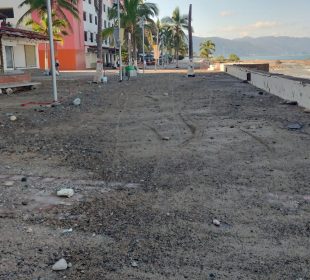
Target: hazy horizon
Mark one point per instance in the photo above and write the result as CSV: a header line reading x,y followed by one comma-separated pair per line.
x,y
239,18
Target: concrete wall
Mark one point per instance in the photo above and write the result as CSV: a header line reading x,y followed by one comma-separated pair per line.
x,y
286,88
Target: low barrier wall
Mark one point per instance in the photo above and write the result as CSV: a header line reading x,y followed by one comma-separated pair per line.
x,y
286,88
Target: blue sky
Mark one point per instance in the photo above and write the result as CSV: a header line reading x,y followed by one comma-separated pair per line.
x,y
239,18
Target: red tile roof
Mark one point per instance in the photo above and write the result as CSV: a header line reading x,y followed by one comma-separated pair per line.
x,y
21,33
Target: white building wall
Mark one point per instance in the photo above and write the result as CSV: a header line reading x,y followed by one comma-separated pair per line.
x,y
92,28
18,12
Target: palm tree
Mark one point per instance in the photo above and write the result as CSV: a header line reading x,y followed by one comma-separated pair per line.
x,y
132,11
58,6
207,48
59,30
177,24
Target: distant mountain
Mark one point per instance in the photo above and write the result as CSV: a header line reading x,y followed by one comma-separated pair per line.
x,y
255,47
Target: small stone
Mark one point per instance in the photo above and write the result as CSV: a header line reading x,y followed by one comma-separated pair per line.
x,y
260,93
166,138
69,265
13,118
307,111
77,101
24,203
24,179
29,230
65,192
9,91
134,264
216,222
60,265
9,183
295,126
166,94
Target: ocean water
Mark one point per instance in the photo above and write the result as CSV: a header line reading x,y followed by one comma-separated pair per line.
x,y
284,57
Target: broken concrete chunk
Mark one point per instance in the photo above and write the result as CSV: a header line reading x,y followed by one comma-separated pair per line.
x,y
77,102
65,192
166,138
60,265
13,118
9,183
216,222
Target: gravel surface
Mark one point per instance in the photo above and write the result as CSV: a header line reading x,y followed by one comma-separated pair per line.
x,y
173,178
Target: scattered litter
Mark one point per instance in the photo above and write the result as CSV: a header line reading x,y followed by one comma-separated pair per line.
x,y
295,126
9,183
104,79
77,101
65,192
166,138
216,222
166,94
134,264
60,265
67,230
290,102
13,118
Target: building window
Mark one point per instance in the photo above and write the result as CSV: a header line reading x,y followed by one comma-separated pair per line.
x,y
96,20
85,36
30,56
104,7
90,18
84,16
91,37
105,24
89,1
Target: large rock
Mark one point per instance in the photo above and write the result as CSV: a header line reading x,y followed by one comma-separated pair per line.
x,y
60,265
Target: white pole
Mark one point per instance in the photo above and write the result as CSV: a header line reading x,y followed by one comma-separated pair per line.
x,y
157,40
120,43
52,52
143,45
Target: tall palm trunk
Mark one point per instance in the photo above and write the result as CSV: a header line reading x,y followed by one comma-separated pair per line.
x,y
99,65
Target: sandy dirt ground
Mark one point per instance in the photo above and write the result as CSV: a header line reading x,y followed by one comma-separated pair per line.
x,y
153,161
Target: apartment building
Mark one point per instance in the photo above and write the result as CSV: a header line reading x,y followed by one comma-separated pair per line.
x,y
90,22
78,52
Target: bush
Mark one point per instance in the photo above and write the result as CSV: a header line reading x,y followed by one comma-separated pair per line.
x,y
233,57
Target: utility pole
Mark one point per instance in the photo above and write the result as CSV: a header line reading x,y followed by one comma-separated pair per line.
x,y
52,51
120,41
99,65
190,71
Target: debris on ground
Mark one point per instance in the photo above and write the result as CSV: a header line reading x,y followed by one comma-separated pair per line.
x,y
77,102
9,183
13,118
289,102
60,265
166,138
295,126
65,192
216,222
